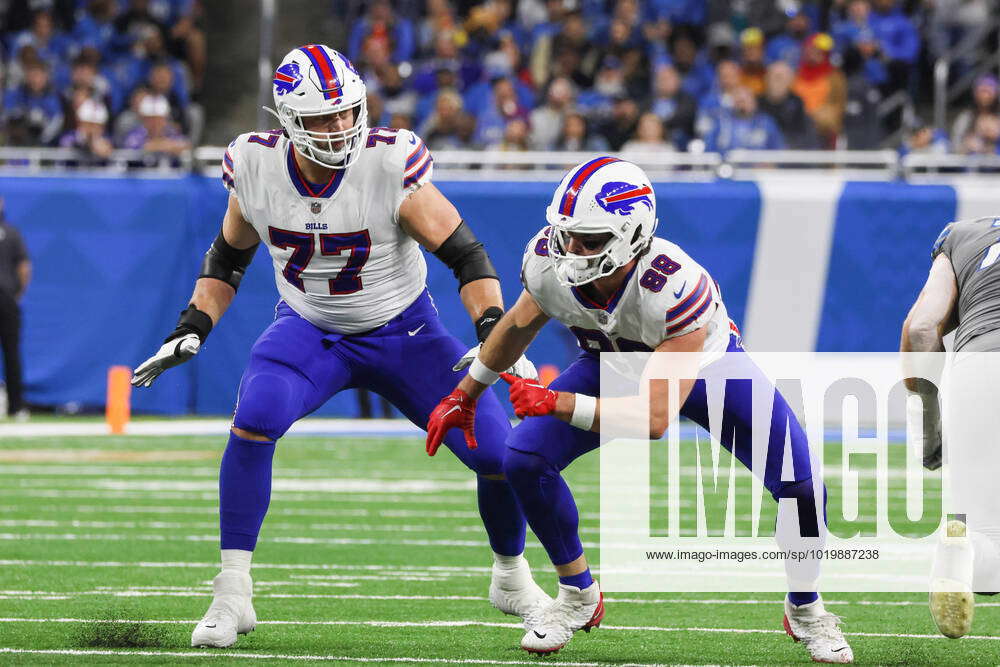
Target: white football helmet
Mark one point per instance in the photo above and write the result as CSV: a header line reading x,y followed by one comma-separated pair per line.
x,y
604,195
315,80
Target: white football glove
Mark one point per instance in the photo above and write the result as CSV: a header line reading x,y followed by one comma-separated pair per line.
x,y
170,354
522,368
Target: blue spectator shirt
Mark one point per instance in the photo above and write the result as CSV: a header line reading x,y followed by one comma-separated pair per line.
x,y
732,131
896,35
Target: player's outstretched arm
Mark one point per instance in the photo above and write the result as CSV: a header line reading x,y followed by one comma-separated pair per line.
x,y
932,316
509,340
433,221
530,399
222,270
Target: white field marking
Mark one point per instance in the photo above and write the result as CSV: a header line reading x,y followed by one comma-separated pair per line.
x,y
208,525
332,658
256,566
220,427
326,485
96,456
282,496
490,624
77,470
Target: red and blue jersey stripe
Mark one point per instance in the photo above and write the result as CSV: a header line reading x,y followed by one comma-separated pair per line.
x,y
568,202
228,171
417,164
690,308
307,189
329,82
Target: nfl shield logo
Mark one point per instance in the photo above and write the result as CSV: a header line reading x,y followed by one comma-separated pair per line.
x,y
602,318
315,207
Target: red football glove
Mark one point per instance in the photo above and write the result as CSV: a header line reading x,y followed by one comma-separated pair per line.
x,y
456,410
530,398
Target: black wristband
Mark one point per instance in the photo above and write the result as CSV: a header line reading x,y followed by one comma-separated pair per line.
x,y
486,322
191,321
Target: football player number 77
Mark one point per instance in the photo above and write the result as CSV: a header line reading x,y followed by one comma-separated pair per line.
x,y
348,280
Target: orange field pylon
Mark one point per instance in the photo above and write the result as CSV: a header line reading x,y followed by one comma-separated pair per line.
x,y
118,408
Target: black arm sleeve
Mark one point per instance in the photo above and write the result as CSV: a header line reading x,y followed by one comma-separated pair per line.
x,y
464,254
226,263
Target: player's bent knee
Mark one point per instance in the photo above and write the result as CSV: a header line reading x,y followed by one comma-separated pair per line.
x,y
250,435
520,466
268,405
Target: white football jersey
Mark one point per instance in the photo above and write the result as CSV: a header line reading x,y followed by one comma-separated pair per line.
x,y
666,295
340,258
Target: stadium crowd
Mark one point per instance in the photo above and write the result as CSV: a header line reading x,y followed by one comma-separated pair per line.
x,y
101,74
623,75
655,75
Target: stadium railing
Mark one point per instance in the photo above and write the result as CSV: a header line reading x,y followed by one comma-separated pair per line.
x,y
471,165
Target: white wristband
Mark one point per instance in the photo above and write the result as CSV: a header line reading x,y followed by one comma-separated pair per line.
x,y
479,372
583,412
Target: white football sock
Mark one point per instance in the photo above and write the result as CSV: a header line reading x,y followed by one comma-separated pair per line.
x,y
508,562
954,557
236,559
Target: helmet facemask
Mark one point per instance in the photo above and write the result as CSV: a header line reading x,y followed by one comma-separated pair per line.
x,y
320,146
571,270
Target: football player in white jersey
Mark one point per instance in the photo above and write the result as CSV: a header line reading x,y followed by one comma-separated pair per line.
x,y
342,209
598,269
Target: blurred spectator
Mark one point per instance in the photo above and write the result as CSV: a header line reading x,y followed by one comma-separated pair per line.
x,y
439,17
898,40
185,38
566,53
845,31
984,101
984,137
787,109
86,76
89,132
752,60
696,72
924,139
15,274
163,81
866,47
787,46
448,126
575,136
822,87
515,137
679,12
634,64
862,127
506,60
620,126
547,120
719,99
673,106
955,21
156,133
396,97
648,137
609,85
51,45
503,108
96,29
382,25
32,111
744,127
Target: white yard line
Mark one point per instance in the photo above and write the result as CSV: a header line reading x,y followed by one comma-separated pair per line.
x,y
276,656
461,624
220,427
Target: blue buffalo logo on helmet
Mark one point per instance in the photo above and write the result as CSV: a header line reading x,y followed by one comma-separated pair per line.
x,y
287,78
618,197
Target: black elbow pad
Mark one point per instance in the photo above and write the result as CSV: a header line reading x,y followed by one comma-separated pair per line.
x,y
464,254
226,263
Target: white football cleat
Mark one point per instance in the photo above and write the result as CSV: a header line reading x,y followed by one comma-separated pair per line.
x,y
572,610
951,601
514,592
230,614
819,631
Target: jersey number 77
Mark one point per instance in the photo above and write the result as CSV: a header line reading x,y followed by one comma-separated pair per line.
x,y
303,244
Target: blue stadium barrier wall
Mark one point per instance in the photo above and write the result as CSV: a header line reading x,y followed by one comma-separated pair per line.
x,y
115,261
